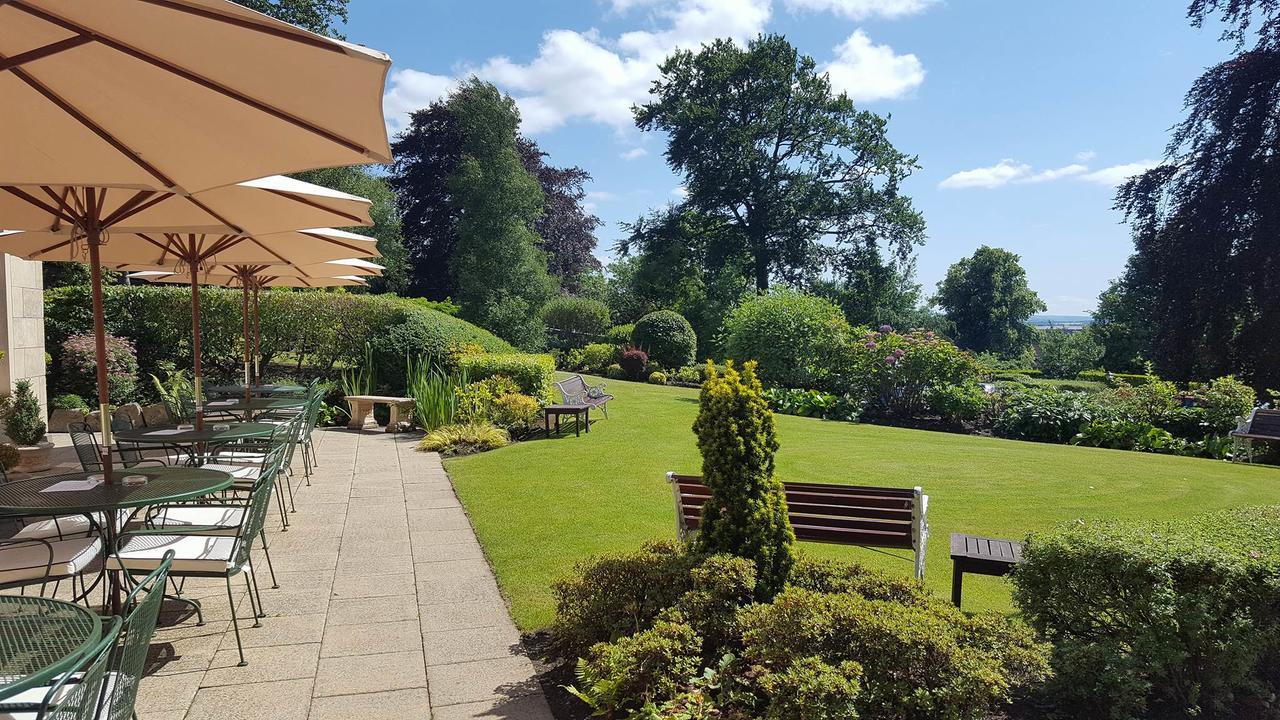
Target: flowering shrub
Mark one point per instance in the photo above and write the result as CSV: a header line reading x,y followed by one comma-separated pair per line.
x,y
80,368
895,372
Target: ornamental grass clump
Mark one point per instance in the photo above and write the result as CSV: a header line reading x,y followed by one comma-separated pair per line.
x,y
747,512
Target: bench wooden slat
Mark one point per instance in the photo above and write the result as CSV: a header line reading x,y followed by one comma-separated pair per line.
x,y
829,513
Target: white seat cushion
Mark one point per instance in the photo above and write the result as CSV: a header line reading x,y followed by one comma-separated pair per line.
x,y
227,517
239,472
29,561
65,526
191,553
35,696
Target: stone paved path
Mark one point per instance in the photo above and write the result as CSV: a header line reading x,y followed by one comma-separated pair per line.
x,y
386,609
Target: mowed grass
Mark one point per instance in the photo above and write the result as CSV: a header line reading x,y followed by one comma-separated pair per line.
x,y
541,506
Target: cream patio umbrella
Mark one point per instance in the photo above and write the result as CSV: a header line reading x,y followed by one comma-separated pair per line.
x,y
255,278
113,109
248,222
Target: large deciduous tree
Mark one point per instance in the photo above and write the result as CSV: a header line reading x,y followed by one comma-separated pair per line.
x,y
1206,224
988,301
767,148
318,16
499,270
567,230
386,220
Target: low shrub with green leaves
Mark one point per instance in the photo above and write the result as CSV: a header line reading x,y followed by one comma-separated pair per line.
x,y
794,338
687,376
667,337
69,401
464,439
619,334
896,373
1044,415
1114,379
10,458
669,633
1160,620
960,404
574,322
615,372
657,378
814,403
534,375
592,358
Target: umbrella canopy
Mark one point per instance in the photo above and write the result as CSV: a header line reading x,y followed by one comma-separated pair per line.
x,y
180,95
332,268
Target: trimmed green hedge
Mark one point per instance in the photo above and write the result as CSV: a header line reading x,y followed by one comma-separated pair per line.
x,y
535,374
313,327
1128,378
1154,620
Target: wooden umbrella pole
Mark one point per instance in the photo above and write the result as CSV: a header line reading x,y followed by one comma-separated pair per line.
x,y
257,336
192,262
244,314
99,333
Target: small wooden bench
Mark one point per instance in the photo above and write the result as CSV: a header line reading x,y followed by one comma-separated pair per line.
x,y
581,416
576,391
840,514
1263,424
981,556
362,405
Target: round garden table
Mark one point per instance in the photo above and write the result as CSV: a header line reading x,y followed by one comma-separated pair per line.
x,y
268,390
253,406
191,440
164,485
41,639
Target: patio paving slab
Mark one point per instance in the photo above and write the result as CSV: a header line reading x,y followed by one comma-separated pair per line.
x,y
386,608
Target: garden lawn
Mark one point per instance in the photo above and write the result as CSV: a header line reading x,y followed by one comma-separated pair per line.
x,y
541,506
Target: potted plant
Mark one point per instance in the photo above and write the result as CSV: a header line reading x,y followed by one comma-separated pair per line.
x,y
24,424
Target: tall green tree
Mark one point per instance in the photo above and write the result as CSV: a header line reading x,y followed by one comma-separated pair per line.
x,y
386,221
873,292
500,272
567,230
318,16
987,300
767,148
1123,325
1206,224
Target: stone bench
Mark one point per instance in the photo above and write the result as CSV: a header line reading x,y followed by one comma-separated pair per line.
x,y
362,405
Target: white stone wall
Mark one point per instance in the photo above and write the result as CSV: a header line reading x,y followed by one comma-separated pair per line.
x,y
22,326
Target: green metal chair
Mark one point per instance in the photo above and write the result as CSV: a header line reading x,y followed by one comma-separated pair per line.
x,y
205,552
76,695
120,691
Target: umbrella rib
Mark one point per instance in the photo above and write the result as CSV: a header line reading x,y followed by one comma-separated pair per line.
x,y
273,253
321,43
215,215
355,220
353,248
192,77
43,52
37,202
126,208
91,125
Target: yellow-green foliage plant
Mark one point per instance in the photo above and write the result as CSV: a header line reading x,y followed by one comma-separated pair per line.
x,y
747,513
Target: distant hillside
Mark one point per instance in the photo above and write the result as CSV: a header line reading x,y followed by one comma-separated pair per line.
x,y
1063,321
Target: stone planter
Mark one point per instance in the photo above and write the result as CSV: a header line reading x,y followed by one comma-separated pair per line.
x,y
60,419
35,458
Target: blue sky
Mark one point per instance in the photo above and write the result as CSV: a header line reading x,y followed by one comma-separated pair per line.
x,y
1024,115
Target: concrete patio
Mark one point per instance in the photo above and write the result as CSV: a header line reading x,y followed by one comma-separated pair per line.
x,y
386,608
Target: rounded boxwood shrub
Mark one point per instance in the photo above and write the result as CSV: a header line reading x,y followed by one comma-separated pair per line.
x,y
578,320
667,337
615,372
657,378
794,338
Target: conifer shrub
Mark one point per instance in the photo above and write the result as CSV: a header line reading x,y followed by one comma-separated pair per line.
x,y
747,512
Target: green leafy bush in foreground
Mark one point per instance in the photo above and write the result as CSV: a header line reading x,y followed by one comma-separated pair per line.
x,y
534,375
1160,620
679,636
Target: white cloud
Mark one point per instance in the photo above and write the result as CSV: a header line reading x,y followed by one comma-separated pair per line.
x,y
1116,174
412,90
583,75
1056,173
1002,173
601,196
1012,171
1085,156
853,9
680,191
872,72
634,154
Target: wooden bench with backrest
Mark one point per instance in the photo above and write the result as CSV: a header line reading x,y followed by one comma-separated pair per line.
x,y
876,517
576,391
1263,424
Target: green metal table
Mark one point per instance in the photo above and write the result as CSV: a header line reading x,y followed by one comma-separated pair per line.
x,y
267,390
41,639
195,442
254,406
164,485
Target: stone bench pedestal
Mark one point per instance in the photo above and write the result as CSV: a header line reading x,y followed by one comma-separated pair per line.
x,y
362,405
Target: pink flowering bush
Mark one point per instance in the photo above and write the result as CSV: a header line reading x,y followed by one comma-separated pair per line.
x,y
80,367
897,373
